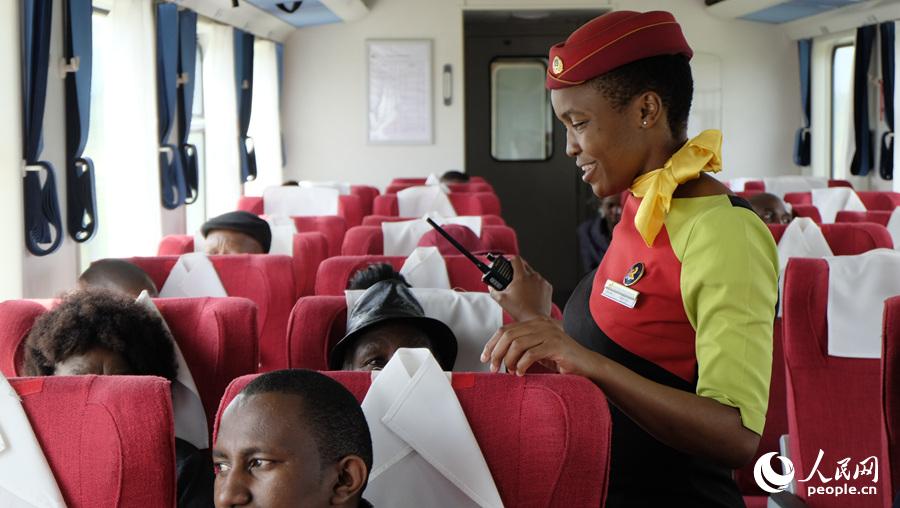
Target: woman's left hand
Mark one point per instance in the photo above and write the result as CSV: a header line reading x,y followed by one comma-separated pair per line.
x,y
520,345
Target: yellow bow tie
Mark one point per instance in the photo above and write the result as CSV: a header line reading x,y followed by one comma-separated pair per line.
x,y
703,153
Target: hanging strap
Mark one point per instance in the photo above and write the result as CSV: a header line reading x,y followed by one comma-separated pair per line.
x,y
243,70
41,201
187,62
886,166
81,202
171,175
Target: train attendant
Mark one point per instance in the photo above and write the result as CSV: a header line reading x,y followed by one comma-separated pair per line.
x,y
675,325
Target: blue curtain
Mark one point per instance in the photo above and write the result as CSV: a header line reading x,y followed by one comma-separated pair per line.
x,y
243,73
863,159
41,201
171,175
187,62
80,191
886,167
802,138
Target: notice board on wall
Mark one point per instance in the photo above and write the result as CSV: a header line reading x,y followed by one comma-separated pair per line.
x,y
400,91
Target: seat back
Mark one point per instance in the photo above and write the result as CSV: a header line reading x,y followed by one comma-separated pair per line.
x,y
474,203
333,227
454,187
890,387
876,200
334,273
798,198
318,322
377,220
217,337
349,207
265,279
309,249
545,438
107,439
366,194
421,180
754,186
847,239
839,183
875,216
808,211
368,240
821,389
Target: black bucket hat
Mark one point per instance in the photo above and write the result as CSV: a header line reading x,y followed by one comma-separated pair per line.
x,y
390,300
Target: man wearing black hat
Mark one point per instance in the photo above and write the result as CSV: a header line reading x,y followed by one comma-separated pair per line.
x,y
237,233
385,318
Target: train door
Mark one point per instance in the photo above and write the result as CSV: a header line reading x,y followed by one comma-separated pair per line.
x,y
513,139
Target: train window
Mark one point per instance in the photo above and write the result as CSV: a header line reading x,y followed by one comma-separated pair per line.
x,y
521,116
841,109
265,124
196,211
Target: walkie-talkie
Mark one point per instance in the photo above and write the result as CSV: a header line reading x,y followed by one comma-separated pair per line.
x,y
498,275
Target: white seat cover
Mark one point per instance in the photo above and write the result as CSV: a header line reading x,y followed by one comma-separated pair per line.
x,y
802,239
857,289
190,417
426,268
283,229
26,480
193,276
831,201
473,317
342,187
300,202
424,449
781,185
401,238
417,201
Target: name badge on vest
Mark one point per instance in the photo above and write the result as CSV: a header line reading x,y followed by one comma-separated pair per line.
x,y
620,294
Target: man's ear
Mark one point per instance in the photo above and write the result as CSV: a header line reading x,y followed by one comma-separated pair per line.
x,y
351,479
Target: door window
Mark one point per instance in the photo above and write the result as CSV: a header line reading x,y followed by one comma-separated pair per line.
x,y
521,116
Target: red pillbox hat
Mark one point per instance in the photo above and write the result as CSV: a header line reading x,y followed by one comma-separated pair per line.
x,y
613,40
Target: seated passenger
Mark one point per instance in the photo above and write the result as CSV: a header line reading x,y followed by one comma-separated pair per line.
x,y
385,318
99,332
595,234
292,438
237,233
454,176
117,275
770,208
291,183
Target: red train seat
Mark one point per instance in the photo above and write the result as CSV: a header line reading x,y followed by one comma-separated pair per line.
x,y
267,280
545,438
217,337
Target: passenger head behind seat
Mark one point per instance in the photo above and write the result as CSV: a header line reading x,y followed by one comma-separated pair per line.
x,y
770,208
292,438
237,233
385,318
117,275
99,332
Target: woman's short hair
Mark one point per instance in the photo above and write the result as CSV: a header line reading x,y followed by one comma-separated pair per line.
x,y
669,76
95,318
